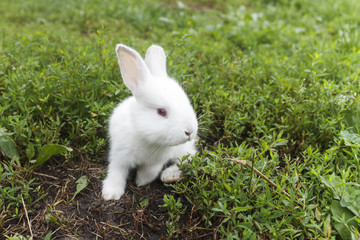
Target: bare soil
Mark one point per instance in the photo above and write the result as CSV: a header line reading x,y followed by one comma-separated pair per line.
x,y
137,215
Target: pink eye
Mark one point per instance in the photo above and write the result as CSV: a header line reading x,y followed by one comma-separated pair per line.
x,y
162,112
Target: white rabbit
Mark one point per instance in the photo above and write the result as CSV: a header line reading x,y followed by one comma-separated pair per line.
x,y
154,126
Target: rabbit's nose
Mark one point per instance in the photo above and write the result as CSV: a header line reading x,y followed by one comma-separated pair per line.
x,y
187,133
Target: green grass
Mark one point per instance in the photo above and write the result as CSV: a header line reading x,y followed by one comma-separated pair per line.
x,y
276,83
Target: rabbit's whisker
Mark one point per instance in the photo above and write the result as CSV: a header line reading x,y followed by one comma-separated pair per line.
x,y
200,116
203,136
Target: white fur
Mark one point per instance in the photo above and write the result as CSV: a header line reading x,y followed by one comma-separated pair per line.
x,y
139,136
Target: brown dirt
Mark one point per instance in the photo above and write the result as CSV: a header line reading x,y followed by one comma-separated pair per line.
x,y
88,216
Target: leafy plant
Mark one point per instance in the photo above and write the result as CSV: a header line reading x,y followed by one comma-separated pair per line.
x,y
81,184
46,152
175,209
7,146
345,207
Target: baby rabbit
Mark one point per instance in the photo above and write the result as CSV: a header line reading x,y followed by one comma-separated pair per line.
x,y
154,126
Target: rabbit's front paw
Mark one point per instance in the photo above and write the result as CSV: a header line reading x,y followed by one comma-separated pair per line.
x,y
112,192
171,174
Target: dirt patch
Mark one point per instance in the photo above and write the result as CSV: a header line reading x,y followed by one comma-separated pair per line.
x,y
137,215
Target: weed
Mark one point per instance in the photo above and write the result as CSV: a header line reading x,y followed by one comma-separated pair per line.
x,y
175,209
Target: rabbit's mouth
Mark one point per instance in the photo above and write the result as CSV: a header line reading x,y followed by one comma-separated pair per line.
x,y
180,141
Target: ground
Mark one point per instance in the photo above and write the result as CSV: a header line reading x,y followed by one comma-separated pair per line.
x,y
137,215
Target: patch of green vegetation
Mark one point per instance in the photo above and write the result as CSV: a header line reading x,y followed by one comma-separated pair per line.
x,y
275,83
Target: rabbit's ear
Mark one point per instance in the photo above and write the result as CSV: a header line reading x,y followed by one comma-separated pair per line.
x,y
155,59
133,68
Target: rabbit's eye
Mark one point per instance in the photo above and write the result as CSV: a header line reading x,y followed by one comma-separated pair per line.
x,y
162,112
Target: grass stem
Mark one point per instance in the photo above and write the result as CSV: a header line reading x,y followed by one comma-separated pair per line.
x,y
247,164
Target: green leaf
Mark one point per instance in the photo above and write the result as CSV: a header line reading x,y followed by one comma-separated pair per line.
x,y
30,151
216,209
295,179
81,184
144,202
8,147
281,142
241,209
50,218
48,151
227,187
350,139
327,227
334,183
48,236
346,192
340,212
317,214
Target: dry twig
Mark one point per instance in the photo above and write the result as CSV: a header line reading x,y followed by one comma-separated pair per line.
x,y
45,175
246,163
27,218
